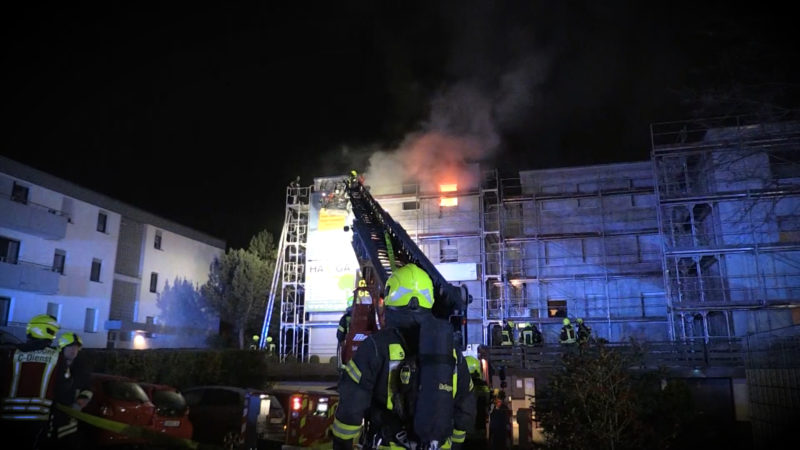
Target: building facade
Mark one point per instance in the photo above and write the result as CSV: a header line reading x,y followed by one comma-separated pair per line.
x,y
701,242
95,263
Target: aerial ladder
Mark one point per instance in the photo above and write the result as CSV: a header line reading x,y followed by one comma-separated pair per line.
x,y
381,245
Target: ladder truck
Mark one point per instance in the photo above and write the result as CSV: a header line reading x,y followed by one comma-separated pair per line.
x,y
381,245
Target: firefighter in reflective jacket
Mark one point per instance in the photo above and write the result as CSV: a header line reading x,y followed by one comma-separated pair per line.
x,y
476,436
72,390
388,382
27,384
567,335
508,333
530,335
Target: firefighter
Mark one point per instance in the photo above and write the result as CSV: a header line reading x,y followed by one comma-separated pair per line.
x,y
344,327
344,322
476,437
584,331
270,345
508,333
567,335
27,384
406,382
254,342
72,390
530,335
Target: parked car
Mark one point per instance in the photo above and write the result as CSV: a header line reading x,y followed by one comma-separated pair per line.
x,y
218,414
120,399
310,411
172,414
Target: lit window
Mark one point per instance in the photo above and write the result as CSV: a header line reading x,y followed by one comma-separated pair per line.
x,y
448,187
96,265
556,308
448,201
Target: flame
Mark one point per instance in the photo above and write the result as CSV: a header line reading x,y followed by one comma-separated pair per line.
x,y
448,201
448,187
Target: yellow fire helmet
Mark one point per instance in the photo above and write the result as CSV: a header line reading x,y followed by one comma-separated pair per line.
x,y
69,338
406,283
43,326
580,321
565,321
473,365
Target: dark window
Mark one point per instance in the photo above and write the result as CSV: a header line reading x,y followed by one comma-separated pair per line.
x,y
153,282
157,242
96,264
410,206
125,390
19,193
5,309
102,219
59,257
9,250
448,252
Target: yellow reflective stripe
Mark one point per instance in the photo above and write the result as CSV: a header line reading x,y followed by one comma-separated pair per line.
x,y
471,386
341,328
455,374
396,352
343,430
353,371
458,436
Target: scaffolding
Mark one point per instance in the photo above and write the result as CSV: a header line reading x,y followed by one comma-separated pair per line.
x,y
290,274
701,242
729,216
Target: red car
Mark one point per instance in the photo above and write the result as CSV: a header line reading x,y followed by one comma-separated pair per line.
x,y
159,409
120,399
172,413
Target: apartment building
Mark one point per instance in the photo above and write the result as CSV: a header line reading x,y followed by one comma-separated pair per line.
x,y
95,263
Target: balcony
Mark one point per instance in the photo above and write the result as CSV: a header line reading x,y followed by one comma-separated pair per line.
x,y
26,276
32,218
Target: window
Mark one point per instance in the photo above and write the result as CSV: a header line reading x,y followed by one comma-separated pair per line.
x,y
153,282
448,252
556,308
58,261
157,242
102,220
9,250
90,321
410,206
5,310
96,265
19,193
54,309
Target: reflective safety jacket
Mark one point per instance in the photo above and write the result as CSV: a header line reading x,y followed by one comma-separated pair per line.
x,y
508,335
530,336
584,331
344,325
27,384
567,335
378,386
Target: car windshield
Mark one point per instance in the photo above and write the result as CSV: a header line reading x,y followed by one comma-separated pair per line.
x,y
169,402
125,390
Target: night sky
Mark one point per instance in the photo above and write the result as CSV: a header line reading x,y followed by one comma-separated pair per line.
x,y
203,114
